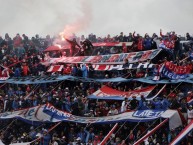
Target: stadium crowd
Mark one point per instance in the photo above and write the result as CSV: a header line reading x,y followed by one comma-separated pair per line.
x,y
23,56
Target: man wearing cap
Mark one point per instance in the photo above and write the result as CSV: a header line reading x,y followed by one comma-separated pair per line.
x,y
84,71
190,114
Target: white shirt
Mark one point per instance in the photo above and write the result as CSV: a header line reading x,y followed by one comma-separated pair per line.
x,y
190,114
55,143
113,112
123,106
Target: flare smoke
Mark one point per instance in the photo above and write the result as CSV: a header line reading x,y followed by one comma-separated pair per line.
x,y
82,22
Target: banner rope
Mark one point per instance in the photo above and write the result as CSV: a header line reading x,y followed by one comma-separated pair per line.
x,y
174,88
6,127
146,130
133,130
35,129
38,139
34,89
3,85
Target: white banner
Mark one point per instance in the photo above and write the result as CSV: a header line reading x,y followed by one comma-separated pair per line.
x,y
48,113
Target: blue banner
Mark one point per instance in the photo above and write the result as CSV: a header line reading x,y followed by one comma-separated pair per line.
x,y
148,80
55,113
167,73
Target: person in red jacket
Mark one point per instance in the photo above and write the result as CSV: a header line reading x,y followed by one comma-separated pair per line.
x,y
17,43
138,40
67,70
25,69
140,44
73,43
17,40
14,59
171,35
125,50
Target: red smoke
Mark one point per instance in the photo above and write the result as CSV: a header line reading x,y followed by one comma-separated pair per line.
x,y
81,23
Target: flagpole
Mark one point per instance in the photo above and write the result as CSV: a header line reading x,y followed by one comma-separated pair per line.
x,y
184,58
182,134
108,135
6,128
157,93
118,130
150,133
174,89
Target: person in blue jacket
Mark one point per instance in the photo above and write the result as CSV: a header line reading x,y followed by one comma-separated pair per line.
x,y
84,71
46,138
157,104
15,104
142,104
74,70
165,103
147,42
17,72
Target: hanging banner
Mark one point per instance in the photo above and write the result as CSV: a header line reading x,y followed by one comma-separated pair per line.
x,y
105,67
107,59
108,93
57,78
173,71
148,113
111,44
178,69
48,113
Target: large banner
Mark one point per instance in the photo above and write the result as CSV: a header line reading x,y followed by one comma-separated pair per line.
x,y
48,113
111,44
55,78
107,59
108,93
105,67
173,71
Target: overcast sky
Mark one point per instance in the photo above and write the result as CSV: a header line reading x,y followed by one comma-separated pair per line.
x,y
100,17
